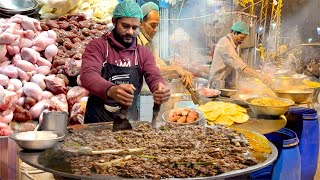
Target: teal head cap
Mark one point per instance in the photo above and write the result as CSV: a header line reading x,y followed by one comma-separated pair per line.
x,y
241,27
149,6
128,9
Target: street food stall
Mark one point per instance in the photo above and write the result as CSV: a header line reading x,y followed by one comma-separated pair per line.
x,y
203,131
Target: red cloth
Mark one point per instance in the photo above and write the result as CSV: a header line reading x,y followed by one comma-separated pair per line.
x,y
95,54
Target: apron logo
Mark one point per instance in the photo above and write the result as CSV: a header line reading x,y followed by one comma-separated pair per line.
x,y
124,63
120,79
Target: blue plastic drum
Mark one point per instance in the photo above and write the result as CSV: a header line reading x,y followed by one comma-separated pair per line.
x,y
288,165
304,122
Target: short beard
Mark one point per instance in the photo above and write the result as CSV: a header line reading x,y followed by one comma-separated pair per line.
x,y
119,39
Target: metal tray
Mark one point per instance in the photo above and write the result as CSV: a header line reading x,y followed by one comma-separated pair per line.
x,y
18,5
34,158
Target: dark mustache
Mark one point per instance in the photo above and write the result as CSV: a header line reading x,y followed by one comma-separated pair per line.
x,y
128,36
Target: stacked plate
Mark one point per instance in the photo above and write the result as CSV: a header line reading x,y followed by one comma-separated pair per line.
x,y
10,8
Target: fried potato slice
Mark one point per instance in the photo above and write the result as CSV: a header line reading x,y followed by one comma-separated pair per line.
x,y
224,120
239,117
213,115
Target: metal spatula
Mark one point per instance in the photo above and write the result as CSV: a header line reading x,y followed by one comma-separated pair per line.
x,y
156,109
121,122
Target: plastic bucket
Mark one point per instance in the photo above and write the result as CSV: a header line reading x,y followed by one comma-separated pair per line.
x,y
304,122
287,166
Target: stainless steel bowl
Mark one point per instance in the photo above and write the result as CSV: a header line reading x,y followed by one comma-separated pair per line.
x,y
269,110
18,5
37,140
228,92
297,96
198,121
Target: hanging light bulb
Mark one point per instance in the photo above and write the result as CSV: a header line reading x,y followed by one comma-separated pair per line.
x,y
275,2
251,23
260,29
274,25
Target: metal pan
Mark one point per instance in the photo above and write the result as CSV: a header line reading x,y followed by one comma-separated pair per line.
x,y
39,159
32,158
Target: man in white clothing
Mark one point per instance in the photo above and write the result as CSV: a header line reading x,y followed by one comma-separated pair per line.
x,y
226,61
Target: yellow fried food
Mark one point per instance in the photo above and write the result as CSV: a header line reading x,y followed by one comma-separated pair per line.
x,y
311,84
224,113
239,117
224,120
268,102
213,115
241,109
259,143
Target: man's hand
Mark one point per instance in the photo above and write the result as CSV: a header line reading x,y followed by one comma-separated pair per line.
x,y
162,94
186,79
123,93
265,79
186,76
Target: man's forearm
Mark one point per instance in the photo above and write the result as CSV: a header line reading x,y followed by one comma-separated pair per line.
x,y
250,72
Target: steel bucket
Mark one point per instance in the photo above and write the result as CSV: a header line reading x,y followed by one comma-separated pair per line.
x,y
55,121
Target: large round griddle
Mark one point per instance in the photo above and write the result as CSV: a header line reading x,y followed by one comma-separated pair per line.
x,y
36,160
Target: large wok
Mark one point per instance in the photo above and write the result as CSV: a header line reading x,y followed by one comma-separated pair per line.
x,y
40,160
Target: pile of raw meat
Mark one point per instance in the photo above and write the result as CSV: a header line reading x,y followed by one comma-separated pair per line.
x,y
39,65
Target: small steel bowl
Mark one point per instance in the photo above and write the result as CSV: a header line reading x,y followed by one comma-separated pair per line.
x,y
269,110
18,5
228,92
198,121
37,140
297,96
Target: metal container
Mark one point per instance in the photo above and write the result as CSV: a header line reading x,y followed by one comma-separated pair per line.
x,y
199,121
270,110
228,92
37,140
199,82
18,5
55,121
297,96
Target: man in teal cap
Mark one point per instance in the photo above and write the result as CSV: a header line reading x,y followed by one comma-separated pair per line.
x,y
227,63
113,68
148,29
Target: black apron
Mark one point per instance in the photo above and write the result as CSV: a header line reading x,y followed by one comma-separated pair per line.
x,y
96,111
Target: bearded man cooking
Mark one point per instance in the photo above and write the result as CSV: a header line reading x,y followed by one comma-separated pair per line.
x,y
113,68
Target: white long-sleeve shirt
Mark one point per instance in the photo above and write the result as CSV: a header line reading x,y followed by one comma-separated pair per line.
x,y
226,62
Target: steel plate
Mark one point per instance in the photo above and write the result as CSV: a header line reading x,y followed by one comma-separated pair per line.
x,y
34,159
18,5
